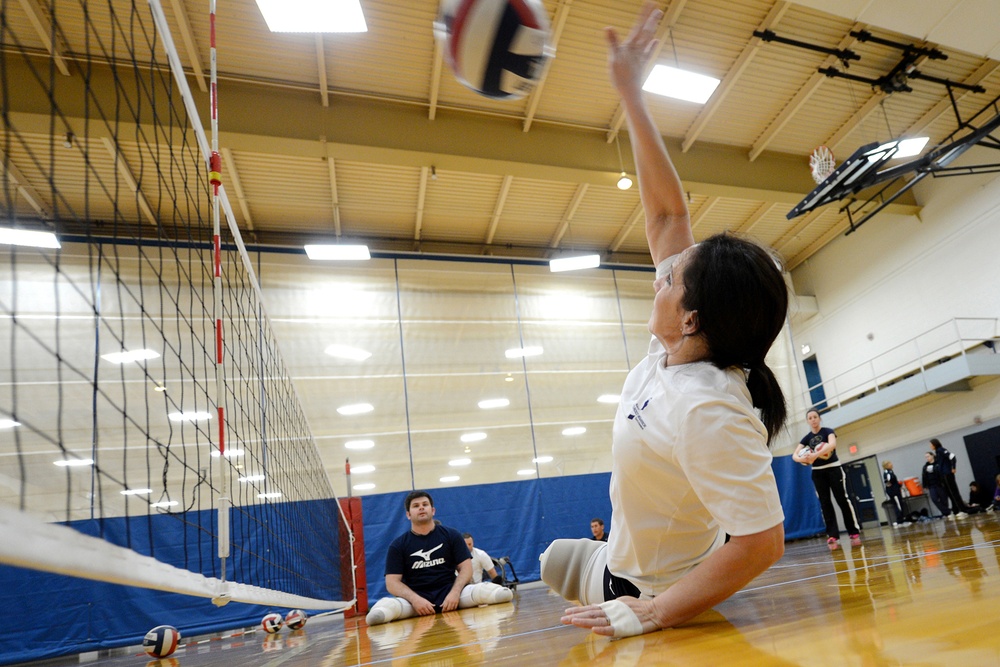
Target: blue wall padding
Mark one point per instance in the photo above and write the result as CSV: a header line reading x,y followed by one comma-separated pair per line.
x,y
803,517
67,615
515,519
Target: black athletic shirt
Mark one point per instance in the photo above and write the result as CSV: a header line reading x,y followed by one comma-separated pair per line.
x,y
428,562
814,440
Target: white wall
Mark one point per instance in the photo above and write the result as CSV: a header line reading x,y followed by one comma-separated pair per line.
x,y
897,277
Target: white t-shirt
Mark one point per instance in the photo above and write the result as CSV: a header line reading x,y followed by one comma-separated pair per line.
x,y
689,464
480,561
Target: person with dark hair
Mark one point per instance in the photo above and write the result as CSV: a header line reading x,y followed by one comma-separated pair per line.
x,y
690,457
894,492
597,529
481,561
933,484
818,448
946,463
979,498
428,569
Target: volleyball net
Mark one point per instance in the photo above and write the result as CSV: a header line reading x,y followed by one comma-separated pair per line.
x,y
139,445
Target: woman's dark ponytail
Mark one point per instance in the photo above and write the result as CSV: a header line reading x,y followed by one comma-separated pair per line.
x,y
766,394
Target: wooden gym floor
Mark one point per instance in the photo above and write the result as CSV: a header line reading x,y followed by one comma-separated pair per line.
x,y
925,594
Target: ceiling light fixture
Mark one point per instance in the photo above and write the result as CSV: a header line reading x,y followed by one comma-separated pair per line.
x,y
529,351
230,453
542,459
313,15
680,84
624,182
165,503
8,423
367,486
362,469
359,444
347,352
526,471
450,478
337,252
135,492
575,430
574,263
455,463
74,463
189,416
127,356
25,237
491,403
473,437
355,409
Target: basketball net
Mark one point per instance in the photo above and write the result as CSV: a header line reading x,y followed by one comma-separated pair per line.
x,y
821,163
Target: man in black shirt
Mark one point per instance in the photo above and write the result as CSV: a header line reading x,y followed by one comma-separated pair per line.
x,y
428,569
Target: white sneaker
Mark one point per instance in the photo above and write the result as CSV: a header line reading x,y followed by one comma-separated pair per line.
x,y
906,523
961,515
950,517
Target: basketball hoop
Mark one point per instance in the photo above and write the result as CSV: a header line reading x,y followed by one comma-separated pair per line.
x,y
821,163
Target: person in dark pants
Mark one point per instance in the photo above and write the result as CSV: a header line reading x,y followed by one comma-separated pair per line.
x,y
934,485
946,463
818,448
894,492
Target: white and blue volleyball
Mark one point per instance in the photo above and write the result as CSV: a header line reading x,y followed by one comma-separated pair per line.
x,y
498,48
271,623
161,641
296,619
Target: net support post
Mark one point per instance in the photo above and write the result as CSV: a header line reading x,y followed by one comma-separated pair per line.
x,y
352,568
224,506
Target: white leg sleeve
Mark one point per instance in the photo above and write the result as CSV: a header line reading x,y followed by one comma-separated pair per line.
x,y
474,595
389,609
575,569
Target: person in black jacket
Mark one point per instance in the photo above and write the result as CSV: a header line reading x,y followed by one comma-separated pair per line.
x,y
946,463
894,492
934,485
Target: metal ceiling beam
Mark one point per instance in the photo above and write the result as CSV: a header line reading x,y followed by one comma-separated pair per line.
x,y
703,211
126,173
229,170
944,105
670,18
180,14
800,99
334,195
43,29
29,193
498,208
324,87
747,226
435,79
568,214
418,223
732,76
558,23
633,219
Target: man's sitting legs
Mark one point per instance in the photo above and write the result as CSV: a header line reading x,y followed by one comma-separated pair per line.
x,y
392,608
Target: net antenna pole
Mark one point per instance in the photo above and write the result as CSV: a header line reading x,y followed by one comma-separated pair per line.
x,y
215,177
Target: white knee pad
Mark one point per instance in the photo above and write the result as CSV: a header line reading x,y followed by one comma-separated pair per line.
x,y
575,569
389,609
474,595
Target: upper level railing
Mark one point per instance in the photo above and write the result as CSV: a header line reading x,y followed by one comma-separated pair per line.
x,y
945,341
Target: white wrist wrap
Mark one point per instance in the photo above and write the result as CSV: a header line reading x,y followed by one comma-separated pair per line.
x,y
623,620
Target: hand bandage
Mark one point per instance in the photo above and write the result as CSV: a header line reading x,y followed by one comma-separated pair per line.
x,y
622,619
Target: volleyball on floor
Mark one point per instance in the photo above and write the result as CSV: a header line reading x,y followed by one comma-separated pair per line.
x,y
271,623
296,619
498,48
161,641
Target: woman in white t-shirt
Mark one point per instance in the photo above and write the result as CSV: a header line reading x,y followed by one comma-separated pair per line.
x,y
696,514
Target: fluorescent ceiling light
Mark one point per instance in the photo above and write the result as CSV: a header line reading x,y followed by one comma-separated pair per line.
x,y
526,471
273,494
337,252
491,403
165,503
24,237
359,444
455,463
575,430
904,148
574,263
609,398
230,453
127,356
252,478
542,459
355,409
680,84
529,351
473,437
362,469
74,463
347,352
135,492
313,15
367,486
450,478
8,423
189,416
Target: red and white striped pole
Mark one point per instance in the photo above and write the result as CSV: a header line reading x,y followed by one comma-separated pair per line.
x,y
215,178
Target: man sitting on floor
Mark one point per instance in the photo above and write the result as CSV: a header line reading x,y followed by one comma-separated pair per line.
x,y
428,569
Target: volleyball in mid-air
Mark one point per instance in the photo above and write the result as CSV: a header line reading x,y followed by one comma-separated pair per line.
x,y
271,623
161,641
498,48
296,619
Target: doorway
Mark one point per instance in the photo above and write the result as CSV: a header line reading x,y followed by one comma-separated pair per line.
x,y
861,490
